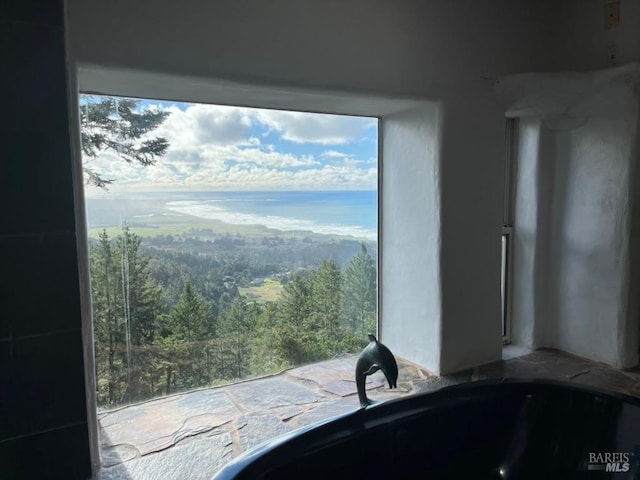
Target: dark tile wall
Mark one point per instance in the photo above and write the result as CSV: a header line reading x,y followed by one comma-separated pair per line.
x,y
43,418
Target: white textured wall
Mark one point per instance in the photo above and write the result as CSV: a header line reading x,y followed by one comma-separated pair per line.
x,y
573,229
440,50
410,242
590,267
530,252
431,47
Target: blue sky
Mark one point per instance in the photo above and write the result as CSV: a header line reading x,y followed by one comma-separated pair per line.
x,y
218,147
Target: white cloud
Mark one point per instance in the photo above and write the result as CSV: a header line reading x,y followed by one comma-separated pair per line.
x,y
221,155
324,129
335,154
178,176
206,124
223,125
217,147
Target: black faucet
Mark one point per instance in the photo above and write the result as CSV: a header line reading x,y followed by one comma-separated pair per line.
x,y
374,357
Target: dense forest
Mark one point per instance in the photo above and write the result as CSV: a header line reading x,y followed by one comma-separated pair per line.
x,y
169,313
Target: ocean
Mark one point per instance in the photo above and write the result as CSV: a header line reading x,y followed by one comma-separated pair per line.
x,y
352,212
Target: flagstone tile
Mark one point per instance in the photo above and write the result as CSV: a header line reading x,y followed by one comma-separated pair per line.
x,y
159,424
198,458
287,412
256,429
266,393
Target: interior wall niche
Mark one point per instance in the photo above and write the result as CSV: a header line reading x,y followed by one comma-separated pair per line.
x,y
576,217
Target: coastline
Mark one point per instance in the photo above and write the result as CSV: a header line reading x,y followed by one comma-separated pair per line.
x,y
297,214
189,225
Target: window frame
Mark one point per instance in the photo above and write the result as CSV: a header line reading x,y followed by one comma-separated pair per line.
x,y
406,125
507,236
377,214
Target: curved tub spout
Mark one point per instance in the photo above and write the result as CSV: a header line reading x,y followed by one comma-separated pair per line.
x,y
374,357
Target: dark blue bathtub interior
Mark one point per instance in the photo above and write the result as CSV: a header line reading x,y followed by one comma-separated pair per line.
x,y
507,429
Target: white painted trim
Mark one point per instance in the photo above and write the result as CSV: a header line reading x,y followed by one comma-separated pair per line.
x,y
83,268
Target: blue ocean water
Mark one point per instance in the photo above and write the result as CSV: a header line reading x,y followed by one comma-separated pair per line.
x,y
352,212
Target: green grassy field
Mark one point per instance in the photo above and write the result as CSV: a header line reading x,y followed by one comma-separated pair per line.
x,y
167,224
180,224
269,291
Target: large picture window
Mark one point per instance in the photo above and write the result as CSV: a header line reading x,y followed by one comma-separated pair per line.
x,y
224,242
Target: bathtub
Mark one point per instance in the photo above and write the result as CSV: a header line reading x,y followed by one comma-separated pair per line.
x,y
505,429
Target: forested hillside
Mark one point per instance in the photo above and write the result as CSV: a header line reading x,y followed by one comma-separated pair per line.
x,y
169,315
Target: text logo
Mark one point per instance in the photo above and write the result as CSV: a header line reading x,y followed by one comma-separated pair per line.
x,y
609,462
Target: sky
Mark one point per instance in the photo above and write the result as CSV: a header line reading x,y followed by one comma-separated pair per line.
x,y
216,147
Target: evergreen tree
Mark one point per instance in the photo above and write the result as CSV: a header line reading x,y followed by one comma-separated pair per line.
x,y
191,318
359,289
121,126
126,304
264,358
107,334
295,343
237,325
141,296
185,352
324,322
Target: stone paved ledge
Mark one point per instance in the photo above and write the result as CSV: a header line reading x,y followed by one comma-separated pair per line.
x,y
192,435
